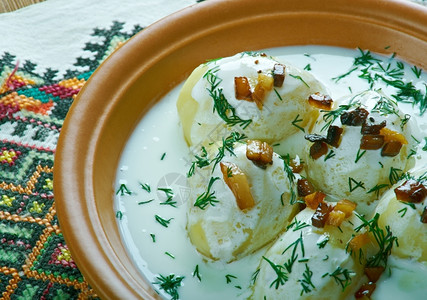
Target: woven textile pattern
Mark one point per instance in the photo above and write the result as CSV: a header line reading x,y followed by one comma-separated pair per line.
x,y
35,262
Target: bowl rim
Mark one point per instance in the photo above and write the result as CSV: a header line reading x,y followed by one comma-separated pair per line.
x,y
80,214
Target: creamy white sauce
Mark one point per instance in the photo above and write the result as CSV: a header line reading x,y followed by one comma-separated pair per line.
x,y
160,132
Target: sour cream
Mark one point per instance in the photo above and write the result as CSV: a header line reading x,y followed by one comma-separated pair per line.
x,y
157,157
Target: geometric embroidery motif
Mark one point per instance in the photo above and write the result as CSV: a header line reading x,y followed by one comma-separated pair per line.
x,y
35,262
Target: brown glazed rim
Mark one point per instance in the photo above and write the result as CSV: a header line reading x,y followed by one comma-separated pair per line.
x,y
138,74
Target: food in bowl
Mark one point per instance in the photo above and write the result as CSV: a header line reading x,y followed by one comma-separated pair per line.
x,y
152,201
357,145
240,200
259,94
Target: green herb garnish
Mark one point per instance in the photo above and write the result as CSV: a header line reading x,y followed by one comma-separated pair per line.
x,y
207,197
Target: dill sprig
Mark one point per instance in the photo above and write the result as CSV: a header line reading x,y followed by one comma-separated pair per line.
x,y
163,222
395,175
353,184
306,283
392,73
196,273
296,121
291,177
207,197
123,189
229,277
169,197
146,187
170,284
384,239
300,79
282,277
227,145
377,189
224,109
294,256
297,225
323,240
341,276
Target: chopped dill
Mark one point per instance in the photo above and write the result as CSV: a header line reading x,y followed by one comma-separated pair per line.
x,y
300,79
323,240
146,187
119,215
254,276
329,155
394,175
341,276
153,237
163,156
163,222
353,184
306,283
297,225
384,239
227,145
282,277
416,71
278,95
359,155
229,277
207,197
377,189
224,109
123,189
295,121
196,273
170,284
170,255
145,202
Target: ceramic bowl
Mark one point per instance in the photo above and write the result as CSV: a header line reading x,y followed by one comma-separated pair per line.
x,y
145,68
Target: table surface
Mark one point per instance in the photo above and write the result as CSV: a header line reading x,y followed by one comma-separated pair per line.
x,y
11,5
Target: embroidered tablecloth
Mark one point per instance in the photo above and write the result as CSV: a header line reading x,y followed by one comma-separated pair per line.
x,y
47,53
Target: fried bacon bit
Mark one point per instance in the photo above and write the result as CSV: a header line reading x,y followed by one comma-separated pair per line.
x,y
315,137
278,75
411,191
359,241
321,215
238,183
391,136
296,165
343,209
242,88
374,273
366,290
346,206
355,117
260,153
305,188
314,199
393,142
335,218
369,127
424,215
333,137
265,84
318,149
391,148
371,142
320,101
